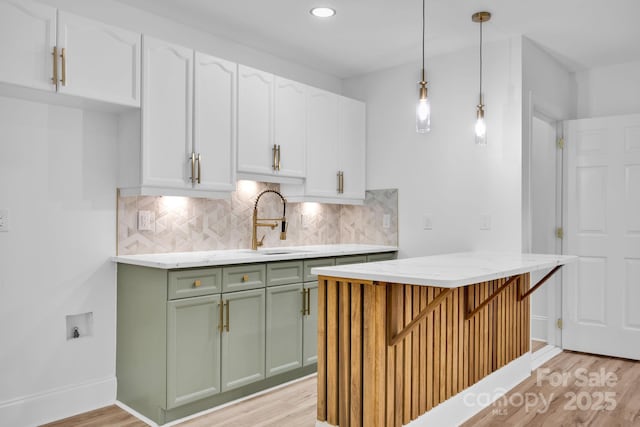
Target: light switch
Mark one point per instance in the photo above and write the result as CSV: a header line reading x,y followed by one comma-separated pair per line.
x,y
4,220
386,221
485,222
427,222
305,221
146,220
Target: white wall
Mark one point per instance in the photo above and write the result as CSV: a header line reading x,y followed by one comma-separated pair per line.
x,y
443,173
608,91
124,16
57,177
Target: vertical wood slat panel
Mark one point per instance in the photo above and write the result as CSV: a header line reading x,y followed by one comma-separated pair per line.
x,y
423,354
380,346
374,376
415,354
355,413
408,341
443,348
399,369
344,353
436,352
454,344
322,350
430,351
391,359
449,347
333,396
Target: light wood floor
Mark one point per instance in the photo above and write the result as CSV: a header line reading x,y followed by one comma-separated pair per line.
x,y
295,405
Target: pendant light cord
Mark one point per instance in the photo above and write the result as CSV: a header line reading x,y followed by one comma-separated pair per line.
x,y
480,62
423,31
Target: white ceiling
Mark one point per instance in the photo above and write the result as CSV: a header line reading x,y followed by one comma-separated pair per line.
x,y
367,35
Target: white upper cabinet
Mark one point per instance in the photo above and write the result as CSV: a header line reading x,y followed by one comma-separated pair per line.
x,y
51,50
271,127
214,129
98,61
188,126
335,151
290,124
255,122
27,39
167,115
351,147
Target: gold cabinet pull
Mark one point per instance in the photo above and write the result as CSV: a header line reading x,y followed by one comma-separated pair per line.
x,y
63,55
274,162
220,310
197,283
304,302
340,182
228,309
54,79
309,302
193,167
278,165
245,278
199,159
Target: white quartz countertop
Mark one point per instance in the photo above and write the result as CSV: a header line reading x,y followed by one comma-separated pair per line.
x,y
245,256
448,270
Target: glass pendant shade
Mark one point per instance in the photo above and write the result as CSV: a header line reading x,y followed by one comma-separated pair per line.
x,y
481,131
423,115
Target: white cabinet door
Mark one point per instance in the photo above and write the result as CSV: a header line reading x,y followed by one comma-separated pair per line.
x,y
255,121
602,290
214,122
100,62
290,126
322,144
351,152
27,39
167,114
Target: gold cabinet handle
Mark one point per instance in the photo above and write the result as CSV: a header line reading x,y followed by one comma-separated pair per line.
x,y
199,159
63,55
228,309
278,165
309,302
304,302
193,167
220,310
274,163
54,79
341,182
245,278
197,283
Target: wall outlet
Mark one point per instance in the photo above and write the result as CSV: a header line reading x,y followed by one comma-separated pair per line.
x,y
386,221
4,220
427,222
485,222
146,220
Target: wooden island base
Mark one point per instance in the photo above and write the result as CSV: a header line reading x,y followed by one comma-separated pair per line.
x,y
388,353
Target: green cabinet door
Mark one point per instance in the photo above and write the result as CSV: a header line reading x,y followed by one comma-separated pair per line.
x,y
193,349
310,326
243,338
284,328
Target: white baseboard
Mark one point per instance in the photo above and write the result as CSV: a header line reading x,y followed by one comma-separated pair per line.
x,y
62,402
466,404
543,355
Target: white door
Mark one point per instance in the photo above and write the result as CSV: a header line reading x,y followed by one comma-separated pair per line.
x,y
546,217
27,39
351,147
215,122
255,120
100,61
166,114
290,126
322,144
603,223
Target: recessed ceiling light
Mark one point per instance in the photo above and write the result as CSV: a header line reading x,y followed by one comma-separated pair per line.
x,y
322,12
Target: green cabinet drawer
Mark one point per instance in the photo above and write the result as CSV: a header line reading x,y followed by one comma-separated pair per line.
x,y
383,256
194,282
243,277
318,262
351,259
284,273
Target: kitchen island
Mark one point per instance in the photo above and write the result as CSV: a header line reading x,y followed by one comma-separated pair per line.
x,y
398,338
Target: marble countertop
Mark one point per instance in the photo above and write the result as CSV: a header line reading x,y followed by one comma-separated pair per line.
x,y
245,256
448,270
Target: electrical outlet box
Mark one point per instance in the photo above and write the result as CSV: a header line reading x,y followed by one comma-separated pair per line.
x,y
79,325
146,220
386,221
485,222
4,220
305,221
427,222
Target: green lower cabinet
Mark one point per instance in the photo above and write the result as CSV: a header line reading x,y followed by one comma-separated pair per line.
x,y
193,349
243,338
310,326
284,328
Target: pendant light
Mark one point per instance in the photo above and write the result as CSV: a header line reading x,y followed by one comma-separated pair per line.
x,y
481,126
423,109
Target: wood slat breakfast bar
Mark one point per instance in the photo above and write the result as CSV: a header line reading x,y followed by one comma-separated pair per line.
x,y
397,338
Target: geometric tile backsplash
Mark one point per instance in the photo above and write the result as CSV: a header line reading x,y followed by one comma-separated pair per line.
x,y
193,224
